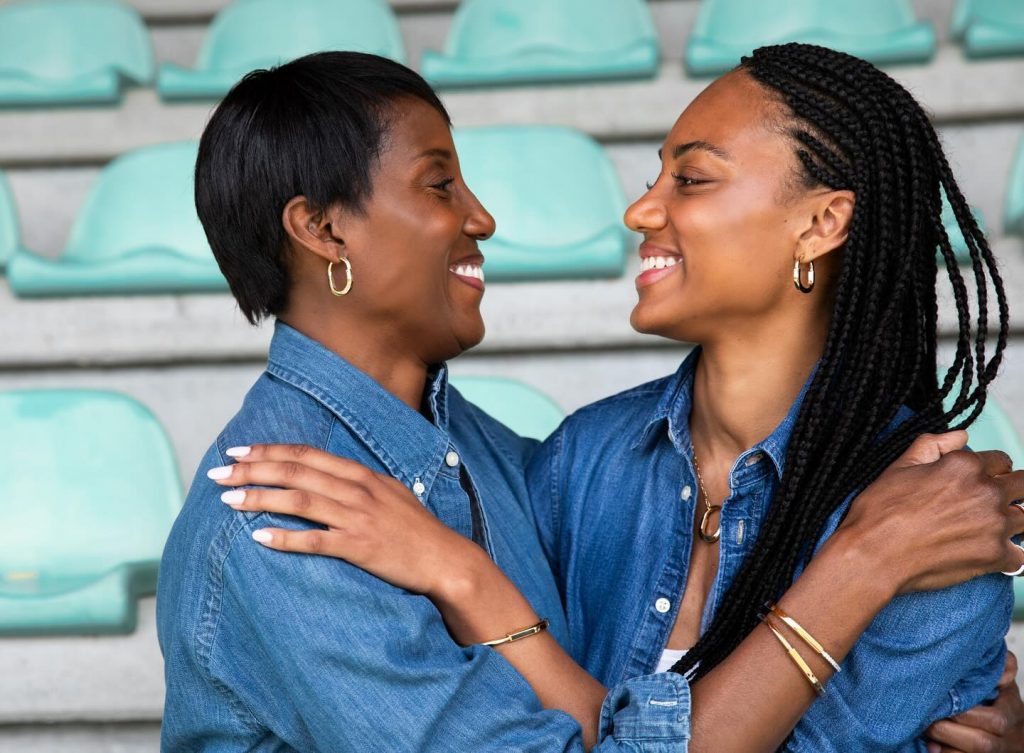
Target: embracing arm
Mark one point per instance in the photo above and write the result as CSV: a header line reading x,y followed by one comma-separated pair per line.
x,y
751,700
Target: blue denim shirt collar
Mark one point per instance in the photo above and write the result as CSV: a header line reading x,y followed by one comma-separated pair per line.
x,y
676,403
407,443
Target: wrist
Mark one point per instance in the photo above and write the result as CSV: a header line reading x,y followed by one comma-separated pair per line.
x,y
859,566
458,578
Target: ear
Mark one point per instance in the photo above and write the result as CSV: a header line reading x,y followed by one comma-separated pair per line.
x,y
313,230
829,225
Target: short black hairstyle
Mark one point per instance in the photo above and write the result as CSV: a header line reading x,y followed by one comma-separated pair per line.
x,y
312,127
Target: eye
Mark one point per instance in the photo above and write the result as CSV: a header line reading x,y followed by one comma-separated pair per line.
x,y
443,185
683,181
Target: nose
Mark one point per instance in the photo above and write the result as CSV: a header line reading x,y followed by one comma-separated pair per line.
x,y
646,214
479,222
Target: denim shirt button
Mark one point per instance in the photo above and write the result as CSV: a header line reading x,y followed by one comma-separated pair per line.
x,y
755,458
451,459
686,493
418,488
663,605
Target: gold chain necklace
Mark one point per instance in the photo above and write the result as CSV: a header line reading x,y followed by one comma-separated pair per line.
x,y
709,509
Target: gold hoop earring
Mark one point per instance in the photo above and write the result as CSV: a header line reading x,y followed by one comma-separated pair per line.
x,y
810,277
348,276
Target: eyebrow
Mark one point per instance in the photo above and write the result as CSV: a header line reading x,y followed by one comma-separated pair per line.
x,y
704,146
435,152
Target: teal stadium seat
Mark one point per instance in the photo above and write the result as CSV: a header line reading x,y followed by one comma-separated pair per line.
x,y
556,197
138,232
528,412
989,28
1014,212
251,34
956,238
57,52
9,235
524,41
89,492
882,31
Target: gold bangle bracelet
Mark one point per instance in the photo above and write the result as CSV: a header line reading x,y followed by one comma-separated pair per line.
x,y
519,634
795,656
807,638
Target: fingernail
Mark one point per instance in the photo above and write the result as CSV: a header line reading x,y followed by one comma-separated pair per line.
x,y
933,748
238,452
218,474
262,536
233,497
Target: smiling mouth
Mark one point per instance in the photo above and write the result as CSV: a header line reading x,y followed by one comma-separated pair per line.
x,y
470,274
654,268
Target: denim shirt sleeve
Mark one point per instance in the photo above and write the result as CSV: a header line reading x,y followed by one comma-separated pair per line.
x,y
330,658
926,656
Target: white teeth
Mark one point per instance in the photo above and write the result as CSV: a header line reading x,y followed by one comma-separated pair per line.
x,y
469,270
658,262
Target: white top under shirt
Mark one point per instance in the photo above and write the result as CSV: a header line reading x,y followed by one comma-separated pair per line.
x,y
669,657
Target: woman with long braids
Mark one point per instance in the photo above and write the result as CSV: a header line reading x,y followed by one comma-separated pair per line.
x,y
702,523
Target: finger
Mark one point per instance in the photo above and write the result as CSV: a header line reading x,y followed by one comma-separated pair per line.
x,y
285,475
1013,558
327,543
928,448
302,454
961,737
1011,484
995,462
1009,671
300,504
989,719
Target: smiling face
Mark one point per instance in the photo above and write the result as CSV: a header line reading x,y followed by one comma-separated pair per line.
x,y
725,219
417,270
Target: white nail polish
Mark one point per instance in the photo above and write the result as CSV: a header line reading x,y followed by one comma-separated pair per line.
x,y
263,537
218,474
233,497
238,452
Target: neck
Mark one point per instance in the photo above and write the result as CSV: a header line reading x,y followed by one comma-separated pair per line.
x,y
745,384
363,345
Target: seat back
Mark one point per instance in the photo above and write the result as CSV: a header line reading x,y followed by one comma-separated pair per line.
x,y
89,484
991,12
489,29
62,40
142,201
552,190
1014,209
879,30
250,34
525,410
9,235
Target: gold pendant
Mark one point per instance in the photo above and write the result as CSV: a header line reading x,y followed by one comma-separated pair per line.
x,y
710,538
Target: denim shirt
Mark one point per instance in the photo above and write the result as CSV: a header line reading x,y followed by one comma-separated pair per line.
x,y
615,495
273,651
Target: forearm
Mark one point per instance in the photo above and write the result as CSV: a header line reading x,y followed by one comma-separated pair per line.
x,y
483,604
752,700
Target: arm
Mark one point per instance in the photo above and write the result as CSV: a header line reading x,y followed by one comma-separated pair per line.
x,y
750,702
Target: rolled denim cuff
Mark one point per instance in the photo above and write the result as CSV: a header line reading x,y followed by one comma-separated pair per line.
x,y
651,713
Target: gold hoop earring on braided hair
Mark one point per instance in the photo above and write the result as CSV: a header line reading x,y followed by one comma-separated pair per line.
x,y
810,277
348,276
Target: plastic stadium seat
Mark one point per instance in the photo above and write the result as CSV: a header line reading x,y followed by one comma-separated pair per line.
x,y
70,51
518,41
556,197
137,233
988,28
251,34
89,492
1014,219
882,31
956,238
9,235
520,407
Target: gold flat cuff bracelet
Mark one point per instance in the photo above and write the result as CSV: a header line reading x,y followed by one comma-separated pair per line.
x,y
795,656
519,634
807,638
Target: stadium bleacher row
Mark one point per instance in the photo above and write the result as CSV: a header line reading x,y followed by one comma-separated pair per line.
x,y
106,281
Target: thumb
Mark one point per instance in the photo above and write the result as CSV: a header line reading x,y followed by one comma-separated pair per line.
x,y
928,448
